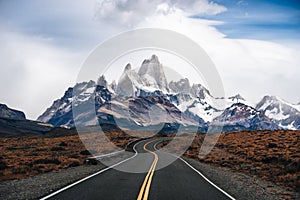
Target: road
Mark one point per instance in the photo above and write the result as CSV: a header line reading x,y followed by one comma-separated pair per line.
x,y
150,181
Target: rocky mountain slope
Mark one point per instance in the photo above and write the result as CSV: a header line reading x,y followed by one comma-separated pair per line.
x,y
60,113
13,122
6,112
286,115
244,117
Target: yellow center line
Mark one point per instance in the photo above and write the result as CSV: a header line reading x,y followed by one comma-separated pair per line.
x,y
144,191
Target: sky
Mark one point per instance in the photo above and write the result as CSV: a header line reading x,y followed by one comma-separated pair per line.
x,y
255,45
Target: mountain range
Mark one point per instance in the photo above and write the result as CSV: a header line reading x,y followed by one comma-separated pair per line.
x,y
13,122
144,98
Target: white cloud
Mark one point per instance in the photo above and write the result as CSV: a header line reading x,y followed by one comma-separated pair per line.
x,y
33,72
130,12
251,67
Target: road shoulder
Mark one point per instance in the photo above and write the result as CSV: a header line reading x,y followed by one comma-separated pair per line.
x,y
241,186
34,187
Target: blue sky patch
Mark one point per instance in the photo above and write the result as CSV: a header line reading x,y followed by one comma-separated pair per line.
x,y
259,19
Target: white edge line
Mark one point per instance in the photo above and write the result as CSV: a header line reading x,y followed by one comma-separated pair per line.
x,y
113,153
90,176
104,155
228,195
220,189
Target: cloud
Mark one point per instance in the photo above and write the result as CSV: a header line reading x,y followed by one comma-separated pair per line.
x,y
242,3
251,67
130,12
33,72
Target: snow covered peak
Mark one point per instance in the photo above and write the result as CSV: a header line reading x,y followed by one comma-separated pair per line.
x,y
127,67
149,79
153,75
199,91
128,82
284,113
246,117
60,112
102,81
270,98
181,86
265,102
153,59
273,100
240,108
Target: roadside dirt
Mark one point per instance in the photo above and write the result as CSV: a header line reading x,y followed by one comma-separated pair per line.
x,y
270,155
24,156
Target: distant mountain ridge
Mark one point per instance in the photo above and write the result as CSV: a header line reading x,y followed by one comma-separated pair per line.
x,y
6,112
131,100
247,117
286,115
13,123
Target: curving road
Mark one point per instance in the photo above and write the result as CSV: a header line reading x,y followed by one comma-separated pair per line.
x,y
179,180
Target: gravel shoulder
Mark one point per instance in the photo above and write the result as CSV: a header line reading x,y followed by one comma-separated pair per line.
x,y
35,187
242,186
38,186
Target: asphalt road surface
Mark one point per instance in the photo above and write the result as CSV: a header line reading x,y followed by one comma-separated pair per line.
x,y
149,181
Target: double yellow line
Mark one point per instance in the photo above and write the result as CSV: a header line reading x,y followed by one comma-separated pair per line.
x,y
144,191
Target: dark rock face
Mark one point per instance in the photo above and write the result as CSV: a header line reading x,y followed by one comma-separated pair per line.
x,y
6,112
242,117
60,113
144,111
237,98
102,82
